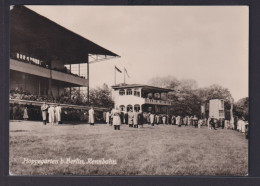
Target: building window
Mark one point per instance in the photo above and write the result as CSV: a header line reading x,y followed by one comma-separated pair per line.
x,y
121,92
137,93
150,95
122,108
129,107
137,108
157,95
129,92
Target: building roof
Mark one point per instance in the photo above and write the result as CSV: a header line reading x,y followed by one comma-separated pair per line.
x,y
148,87
36,36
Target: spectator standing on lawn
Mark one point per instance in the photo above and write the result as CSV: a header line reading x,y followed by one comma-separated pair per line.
x,y
130,118
235,122
185,120
151,118
156,119
122,117
126,118
25,113
212,123
91,118
135,119
44,109
208,123
164,119
58,113
195,121
173,120
178,121
192,121
115,113
141,118
189,121
15,111
243,125
51,111
200,123
148,118
108,115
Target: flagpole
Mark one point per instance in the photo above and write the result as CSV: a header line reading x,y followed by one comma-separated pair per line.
x,y
124,75
115,75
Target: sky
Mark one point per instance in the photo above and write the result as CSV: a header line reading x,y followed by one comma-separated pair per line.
x,y
206,43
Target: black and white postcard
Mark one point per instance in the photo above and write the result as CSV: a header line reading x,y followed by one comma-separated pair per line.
x,y
129,90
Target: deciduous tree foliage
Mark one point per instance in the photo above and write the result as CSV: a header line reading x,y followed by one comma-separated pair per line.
x,y
187,98
241,108
101,97
98,97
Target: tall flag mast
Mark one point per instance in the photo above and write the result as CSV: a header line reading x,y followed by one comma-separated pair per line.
x,y
125,72
117,69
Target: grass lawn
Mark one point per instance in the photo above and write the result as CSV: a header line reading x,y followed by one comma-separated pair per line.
x,y
158,150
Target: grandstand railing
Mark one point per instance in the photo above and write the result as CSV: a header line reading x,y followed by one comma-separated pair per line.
x,y
38,103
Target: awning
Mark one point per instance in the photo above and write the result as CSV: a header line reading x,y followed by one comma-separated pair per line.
x,y
36,36
144,87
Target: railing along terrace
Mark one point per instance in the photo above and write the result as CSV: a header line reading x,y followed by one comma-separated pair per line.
x,y
44,65
40,103
155,101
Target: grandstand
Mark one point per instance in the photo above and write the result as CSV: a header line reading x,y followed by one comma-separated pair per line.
x,y
46,59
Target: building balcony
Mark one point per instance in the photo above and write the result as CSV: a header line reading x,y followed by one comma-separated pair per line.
x,y
157,102
46,73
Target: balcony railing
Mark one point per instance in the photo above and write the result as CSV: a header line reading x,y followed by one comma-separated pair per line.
x,y
45,72
159,102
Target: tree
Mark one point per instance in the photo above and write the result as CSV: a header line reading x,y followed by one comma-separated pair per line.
x,y
187,98
215,92
187,85
164,82
76,98
241,108
101,97
183,97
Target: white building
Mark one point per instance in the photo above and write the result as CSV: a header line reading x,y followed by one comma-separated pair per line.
x,y
216,108
141,97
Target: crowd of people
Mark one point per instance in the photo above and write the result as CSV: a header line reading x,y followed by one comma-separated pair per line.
x,y
137,119
55,114
34,113
26,95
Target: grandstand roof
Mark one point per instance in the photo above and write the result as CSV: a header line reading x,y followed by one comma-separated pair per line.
x,y
36,36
